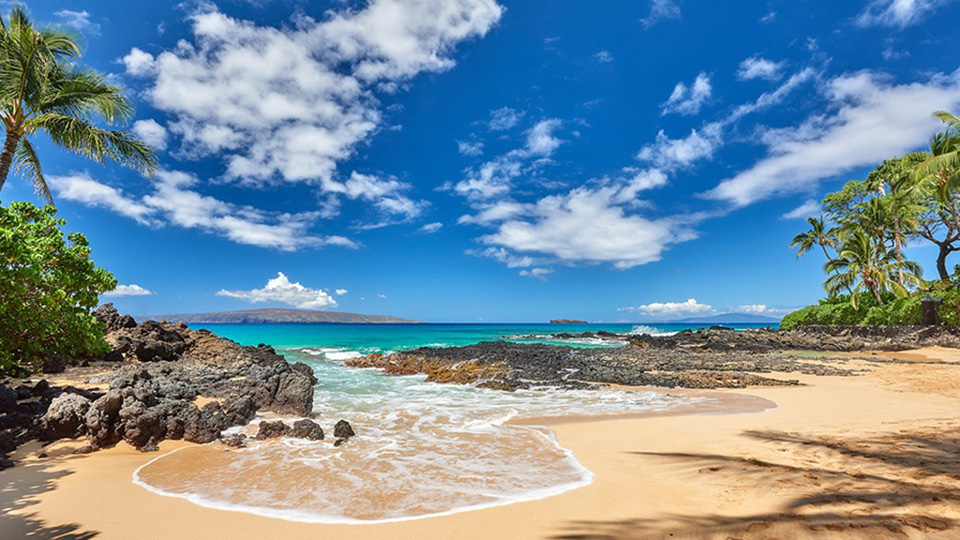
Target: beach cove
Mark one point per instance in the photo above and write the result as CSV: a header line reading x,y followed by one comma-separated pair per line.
x,y
871,455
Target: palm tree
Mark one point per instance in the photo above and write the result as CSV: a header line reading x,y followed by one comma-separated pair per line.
x,y
41,90
864,263
818,235
940,172
902,205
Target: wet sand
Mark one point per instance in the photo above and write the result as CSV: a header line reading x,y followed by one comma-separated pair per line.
x,y
872,456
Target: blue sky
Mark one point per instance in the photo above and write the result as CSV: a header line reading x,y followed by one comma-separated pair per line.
x,y
488,160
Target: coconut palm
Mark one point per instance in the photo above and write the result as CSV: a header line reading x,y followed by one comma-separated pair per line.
x,y
903,200
864,263
42,90
818,235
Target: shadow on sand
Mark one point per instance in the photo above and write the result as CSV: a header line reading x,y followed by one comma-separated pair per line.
x,y
18,489
893,485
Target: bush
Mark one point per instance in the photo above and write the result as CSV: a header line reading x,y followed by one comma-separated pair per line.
x,y
48,285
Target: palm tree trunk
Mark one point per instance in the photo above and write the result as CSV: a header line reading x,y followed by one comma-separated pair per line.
x,y
896,239
876,294
6,157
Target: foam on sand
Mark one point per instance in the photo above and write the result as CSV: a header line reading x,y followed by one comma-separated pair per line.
x,y
422,450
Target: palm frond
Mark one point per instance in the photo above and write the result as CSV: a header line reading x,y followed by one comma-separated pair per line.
x,y
84,138
27,164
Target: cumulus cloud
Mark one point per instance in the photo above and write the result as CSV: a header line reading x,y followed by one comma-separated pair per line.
x,y
687,100
541,140
661,10
289,104
78,20
760,68
504,118
128,290
671,309
340,292
869,121
897,13
138,62
175,201
588,225
672,154
151,132
282,290
809,208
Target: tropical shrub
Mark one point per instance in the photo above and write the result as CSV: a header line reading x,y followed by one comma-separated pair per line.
x,y
48,285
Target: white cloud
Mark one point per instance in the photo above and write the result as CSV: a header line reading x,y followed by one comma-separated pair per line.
x,y
897,13
138,63
540,138
808,209
430,228
537,273
504,118
340,292
151,132
382,296
291,103
280,289
386,195
128,290
672,154
492,178
471,149
604,57
672,309
587,225
173,202
686,100
760,68
78,20
81,187
502,255
661,10
870,121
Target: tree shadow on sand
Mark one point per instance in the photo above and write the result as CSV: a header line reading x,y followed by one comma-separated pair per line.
x,y
19,487
894,484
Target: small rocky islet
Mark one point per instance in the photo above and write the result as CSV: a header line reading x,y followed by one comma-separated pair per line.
x,y
161,381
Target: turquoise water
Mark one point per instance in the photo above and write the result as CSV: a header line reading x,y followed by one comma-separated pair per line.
x,y
421,450
368,338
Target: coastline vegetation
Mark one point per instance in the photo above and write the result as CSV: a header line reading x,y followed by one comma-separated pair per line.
x,y
865,227
48,284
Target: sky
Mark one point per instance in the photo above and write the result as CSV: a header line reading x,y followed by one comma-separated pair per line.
x,y
492,160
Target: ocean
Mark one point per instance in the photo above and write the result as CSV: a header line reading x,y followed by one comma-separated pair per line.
x,y
421,450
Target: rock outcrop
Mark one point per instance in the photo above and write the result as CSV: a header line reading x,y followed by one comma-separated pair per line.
x,y
152,396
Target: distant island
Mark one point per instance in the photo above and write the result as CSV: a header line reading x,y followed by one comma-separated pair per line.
x,y
568,321
276,316
729,318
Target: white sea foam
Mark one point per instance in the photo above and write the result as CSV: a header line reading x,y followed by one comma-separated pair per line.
x,y
421,450
641,329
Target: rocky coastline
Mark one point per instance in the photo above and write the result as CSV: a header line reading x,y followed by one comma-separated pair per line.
x,y
160,381
714,357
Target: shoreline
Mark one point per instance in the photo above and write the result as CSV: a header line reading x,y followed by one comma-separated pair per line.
x,y
696,476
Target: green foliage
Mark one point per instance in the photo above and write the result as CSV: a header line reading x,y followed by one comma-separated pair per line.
x,y
48,285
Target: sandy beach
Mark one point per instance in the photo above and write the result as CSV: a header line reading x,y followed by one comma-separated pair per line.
x,y
869,456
